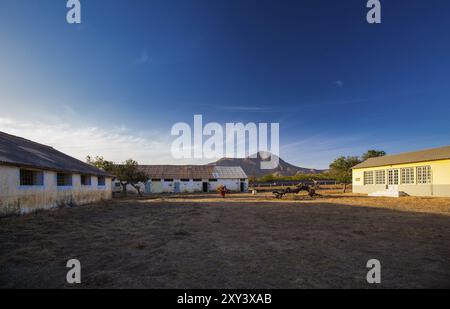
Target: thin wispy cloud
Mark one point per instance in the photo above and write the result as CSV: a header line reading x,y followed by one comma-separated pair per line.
x,y
240,108
115,144
339,83
319,150
143,58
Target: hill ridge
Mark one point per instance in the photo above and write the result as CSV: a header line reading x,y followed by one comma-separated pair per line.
x,y
252,166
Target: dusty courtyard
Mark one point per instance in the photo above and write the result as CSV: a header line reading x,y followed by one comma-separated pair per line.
x,y
203,241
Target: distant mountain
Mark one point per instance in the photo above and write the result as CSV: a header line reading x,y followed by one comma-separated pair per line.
x,y
252,167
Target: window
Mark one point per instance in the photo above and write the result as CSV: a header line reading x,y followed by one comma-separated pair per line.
x,y
64,180
31,178
197,180
168,180
368,178
184,180
101,181
424,174
213,180
393,177
380,177
156,179
243,179
86,180
407,175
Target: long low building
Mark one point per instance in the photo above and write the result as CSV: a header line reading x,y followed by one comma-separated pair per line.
x,y
35,176
419,173
193,178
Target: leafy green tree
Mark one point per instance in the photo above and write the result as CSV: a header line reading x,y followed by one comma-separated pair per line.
x,y
341,169
127,173
251,180
101,163
373,154
299,177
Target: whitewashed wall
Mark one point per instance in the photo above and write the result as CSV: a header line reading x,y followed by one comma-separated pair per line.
x,y
16,199
193,186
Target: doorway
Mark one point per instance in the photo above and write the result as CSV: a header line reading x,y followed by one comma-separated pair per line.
x,y
205,187
242,186
148,187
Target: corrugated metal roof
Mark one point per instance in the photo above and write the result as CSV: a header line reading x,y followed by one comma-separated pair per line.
x,y
176,171
228,172
192,172
434,154
21,152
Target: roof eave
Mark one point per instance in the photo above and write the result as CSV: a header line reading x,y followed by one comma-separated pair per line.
x,y
19,165
391,164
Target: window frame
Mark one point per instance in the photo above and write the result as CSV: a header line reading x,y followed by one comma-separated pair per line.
x,y
405,178
103,183
377,177
366,178
87,182
67,176
37,178
428,175
395,176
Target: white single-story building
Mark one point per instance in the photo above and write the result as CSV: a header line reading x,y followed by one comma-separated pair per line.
x,y
35,176
193,178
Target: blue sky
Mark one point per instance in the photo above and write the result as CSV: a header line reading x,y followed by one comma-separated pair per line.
x,y
116,84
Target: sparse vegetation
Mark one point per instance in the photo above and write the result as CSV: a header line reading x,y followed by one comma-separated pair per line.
x,y
127,173
372,154
299,177
340,170
245,241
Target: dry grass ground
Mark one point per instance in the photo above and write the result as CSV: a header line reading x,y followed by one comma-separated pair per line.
x,y
244,241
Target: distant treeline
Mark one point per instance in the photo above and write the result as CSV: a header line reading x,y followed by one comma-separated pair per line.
x,y
340,170
299,177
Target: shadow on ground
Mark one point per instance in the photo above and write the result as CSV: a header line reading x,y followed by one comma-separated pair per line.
x,y
225,244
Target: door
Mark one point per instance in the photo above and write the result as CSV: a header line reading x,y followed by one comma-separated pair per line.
x,y
148,187
157,187
177,187
393,179
242,186
205,187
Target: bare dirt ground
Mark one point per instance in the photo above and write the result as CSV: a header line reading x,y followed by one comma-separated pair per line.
x,y
245,241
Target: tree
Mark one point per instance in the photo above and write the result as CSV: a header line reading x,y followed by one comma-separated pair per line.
x,y
101,163
341,169
129,174
252,180
373,154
